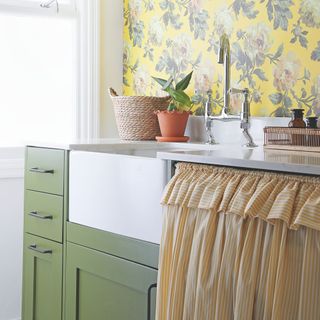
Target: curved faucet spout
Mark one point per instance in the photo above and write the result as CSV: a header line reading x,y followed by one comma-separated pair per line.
x,y
244,117
224,58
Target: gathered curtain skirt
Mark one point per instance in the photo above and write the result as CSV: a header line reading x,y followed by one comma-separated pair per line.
x,y
239,244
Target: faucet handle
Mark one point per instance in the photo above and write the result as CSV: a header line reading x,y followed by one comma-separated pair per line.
x,y
245,116
208,104
245,93
236,91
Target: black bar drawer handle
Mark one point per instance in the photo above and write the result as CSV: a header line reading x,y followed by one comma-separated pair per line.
x,y
154,285
34,247
36,214
39,170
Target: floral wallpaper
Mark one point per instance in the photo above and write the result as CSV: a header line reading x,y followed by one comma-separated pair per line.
x,y
275,47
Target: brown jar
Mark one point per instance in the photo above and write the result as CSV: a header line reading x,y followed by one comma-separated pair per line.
x,y
312,122
297,122
312,140
297,119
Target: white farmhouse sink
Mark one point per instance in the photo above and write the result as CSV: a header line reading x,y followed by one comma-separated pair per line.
x,y
117,193
117,187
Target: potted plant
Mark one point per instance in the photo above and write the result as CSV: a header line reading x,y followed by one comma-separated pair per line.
x,y
173,121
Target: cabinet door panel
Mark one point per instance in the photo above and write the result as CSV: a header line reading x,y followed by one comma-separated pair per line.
x,y
100,286
42,279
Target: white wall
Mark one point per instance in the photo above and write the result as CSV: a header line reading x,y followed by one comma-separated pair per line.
x,y
230,132
11,235
11,232
111,61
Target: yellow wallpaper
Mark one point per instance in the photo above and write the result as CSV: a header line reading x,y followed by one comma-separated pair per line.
x,y
275,48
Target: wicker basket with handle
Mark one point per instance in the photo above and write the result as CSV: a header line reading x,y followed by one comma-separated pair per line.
x,y
135,115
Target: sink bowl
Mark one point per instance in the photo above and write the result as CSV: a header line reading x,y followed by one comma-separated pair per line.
x,y
117,187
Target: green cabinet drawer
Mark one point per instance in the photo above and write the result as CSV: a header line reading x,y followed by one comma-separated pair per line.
x,y
42,279
100,286
43,215
44,170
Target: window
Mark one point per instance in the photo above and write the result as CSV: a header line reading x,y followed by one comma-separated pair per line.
x,y
63,7
44,68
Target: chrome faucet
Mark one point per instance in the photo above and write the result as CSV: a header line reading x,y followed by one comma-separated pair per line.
x,y
245,116
224,57
208,121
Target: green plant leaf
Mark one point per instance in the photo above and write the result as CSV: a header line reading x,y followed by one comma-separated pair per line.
x,y
180,97
183,84
165,84
168,84
162,82
172,107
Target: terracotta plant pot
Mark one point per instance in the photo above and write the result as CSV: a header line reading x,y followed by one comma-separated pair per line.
x,y
173,123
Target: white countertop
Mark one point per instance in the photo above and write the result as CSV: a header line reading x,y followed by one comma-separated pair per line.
x,y
74,144
255,158
232,155
114,145
103,145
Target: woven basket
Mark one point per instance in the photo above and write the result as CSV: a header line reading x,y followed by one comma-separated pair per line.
x,y
135,115
296,139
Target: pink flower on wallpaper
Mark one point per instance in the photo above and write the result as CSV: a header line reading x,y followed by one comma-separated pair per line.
x,y
195,5
316,92
141,82
223,21
236,100
310,13
203,78
182,50
258,42
287,72
135,9
156,31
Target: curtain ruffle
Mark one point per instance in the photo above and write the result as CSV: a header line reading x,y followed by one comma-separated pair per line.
x,y
269,196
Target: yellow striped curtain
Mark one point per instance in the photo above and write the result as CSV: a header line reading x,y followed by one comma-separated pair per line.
x,y
239,244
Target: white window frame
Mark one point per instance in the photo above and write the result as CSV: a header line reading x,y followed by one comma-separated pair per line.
x,y
30,7
87,122
87,13
88,111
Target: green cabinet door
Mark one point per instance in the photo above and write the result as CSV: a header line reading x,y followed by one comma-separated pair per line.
x,y
103,287
42,279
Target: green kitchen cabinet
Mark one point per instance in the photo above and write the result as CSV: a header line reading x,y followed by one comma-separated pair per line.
x,y
71,271
101,286
42,281
46,177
